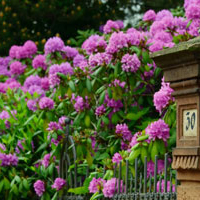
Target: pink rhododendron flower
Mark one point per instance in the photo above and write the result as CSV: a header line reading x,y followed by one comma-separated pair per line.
x,y
96,185
39,187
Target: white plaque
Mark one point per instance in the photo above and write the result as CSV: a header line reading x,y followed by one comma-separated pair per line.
x,y
190,122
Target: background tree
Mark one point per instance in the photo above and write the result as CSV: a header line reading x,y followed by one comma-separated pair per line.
x,y
40,19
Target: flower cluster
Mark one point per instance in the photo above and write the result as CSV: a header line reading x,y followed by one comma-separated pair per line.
x,y
39,187
96,185
58,184
158,129
8,159
163,97
111,186
26,51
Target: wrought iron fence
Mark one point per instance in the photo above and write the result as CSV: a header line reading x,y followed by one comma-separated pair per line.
x,y
137,182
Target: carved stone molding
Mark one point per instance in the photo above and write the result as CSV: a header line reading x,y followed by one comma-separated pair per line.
x,y
186,162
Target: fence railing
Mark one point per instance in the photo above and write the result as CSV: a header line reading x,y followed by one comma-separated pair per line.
x,y
133,181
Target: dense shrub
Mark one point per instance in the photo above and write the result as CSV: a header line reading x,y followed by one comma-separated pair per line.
x,y
109,88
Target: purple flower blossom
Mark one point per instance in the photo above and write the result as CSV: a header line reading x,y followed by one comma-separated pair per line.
x,y
94,43
4,63
194,27
4,115
117,83
2,147
45,83
96,185
162,186
193,11
134,37
56,141
117,158
53,80
150,15
156,27
114,104
66,69
162,98
110,187
78,59
158,130
110,26
46,160
8,160
53,126
99,59
32,80
39,61
39,187
53,44
163,36
163,13
59,183
46,103
123,131
62,120
36,89
32,105
131,63
16,68
69,52
151,165
100,110
80,103
117,41
29,48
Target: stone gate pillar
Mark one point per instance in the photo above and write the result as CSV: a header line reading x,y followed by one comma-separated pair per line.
x,y
181,67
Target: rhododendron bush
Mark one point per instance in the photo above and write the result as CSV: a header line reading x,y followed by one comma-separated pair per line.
x,y
118,104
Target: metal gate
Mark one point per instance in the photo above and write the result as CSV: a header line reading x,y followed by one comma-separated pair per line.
x,y
141,185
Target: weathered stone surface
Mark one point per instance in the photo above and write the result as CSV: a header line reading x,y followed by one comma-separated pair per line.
x,y
188,191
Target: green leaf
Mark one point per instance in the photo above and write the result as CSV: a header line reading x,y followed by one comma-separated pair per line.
x,y
41,147
1,185
134,154
135,146
109,174
87,120
17,178
55,196
109,92
89,85
72,86
138,115
105,120
102,97
154,151
103,156
146,57
14,189
51,168
79,190
96,196
89,158
144,153
29,119
141,138
115,118
25,184
6,183
62,75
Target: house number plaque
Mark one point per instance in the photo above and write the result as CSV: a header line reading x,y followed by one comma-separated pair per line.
x,y
190,122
